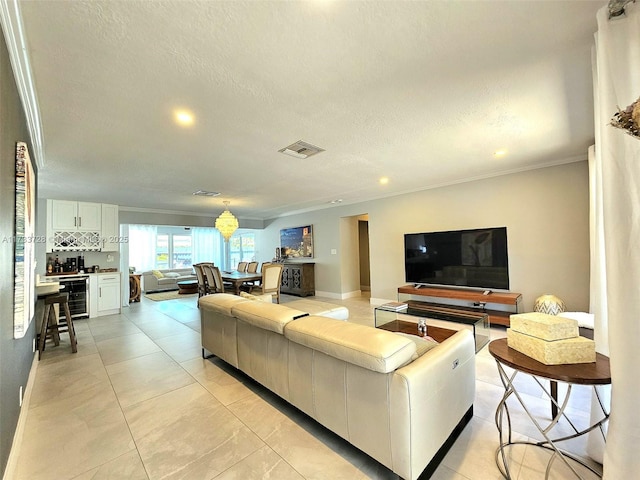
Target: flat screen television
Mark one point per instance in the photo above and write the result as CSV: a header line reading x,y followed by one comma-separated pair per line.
x,y
465,258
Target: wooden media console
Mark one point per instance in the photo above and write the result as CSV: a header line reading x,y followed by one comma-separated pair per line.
x,y
477,302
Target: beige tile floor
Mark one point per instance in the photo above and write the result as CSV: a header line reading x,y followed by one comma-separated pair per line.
x,y
138,402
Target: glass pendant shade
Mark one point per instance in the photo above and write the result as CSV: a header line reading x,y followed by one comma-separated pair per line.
x,y
226,223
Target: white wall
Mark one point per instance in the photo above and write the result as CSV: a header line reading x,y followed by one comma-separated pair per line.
x,y
546,212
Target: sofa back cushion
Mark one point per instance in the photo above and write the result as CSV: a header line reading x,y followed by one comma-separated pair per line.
x,y
220,302
367,347
268,316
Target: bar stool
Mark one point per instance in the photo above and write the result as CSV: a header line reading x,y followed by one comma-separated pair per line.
x,y
51,327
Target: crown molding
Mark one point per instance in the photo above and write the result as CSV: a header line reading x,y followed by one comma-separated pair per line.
x,y
13,29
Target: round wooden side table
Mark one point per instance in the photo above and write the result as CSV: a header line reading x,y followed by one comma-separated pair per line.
x,y
594,374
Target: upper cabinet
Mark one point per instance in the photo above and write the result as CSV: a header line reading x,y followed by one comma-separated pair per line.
x,y
75,216
81,226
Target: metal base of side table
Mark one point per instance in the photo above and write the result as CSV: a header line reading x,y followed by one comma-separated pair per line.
x,y
593,374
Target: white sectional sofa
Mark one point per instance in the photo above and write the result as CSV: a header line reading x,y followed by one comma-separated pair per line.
x,y
374,388
168,281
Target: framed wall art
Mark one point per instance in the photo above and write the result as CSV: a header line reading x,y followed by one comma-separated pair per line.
x,y
24,274
297,242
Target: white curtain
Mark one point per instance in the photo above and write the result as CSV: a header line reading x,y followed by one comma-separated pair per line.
x,y
142,247
207,245
615,285
598,295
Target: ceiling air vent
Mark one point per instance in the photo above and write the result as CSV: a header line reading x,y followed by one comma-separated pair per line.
x,y
204,193
301,149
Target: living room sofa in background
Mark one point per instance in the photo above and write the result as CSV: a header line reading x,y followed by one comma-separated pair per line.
x,y
398,398
165,279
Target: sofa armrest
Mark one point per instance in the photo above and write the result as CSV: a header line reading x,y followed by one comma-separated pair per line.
x,y
428,399
149,282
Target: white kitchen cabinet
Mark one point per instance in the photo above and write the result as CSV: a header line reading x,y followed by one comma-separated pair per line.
x,y
108,294
63,215
72,216
110,228
78,226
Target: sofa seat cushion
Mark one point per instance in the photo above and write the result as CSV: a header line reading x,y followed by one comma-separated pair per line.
x,y
166,281
220,302
268,316
367,347
321,309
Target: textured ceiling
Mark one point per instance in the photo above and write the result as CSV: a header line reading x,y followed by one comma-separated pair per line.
x,y
420,92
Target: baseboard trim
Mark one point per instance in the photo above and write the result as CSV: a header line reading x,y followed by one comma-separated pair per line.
x,y
379,301
16,445
338,296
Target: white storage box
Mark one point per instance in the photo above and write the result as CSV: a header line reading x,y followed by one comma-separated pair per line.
x,y
544,326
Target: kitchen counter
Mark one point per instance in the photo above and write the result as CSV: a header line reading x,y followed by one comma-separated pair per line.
x,y
47,288
57,276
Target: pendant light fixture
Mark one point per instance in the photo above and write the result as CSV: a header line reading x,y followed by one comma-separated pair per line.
x,y
226,223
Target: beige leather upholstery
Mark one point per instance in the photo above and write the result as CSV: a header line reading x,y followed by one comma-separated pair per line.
x,y
370,348
322,309
221,302
268,316
347,376
218,327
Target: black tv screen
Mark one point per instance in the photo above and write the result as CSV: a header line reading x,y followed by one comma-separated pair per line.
x,y
465,258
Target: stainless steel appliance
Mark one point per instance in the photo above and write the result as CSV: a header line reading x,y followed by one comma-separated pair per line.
x,y
77,286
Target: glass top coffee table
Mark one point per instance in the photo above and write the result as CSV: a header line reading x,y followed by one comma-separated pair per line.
x,y
440,324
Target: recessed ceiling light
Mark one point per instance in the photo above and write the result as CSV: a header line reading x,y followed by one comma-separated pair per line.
x,y
204,193
339,200
500,153
184,118
383,180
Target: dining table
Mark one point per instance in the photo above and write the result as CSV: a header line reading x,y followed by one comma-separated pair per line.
x,y
238,278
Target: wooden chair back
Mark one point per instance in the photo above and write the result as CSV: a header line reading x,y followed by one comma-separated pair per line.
x,y
271,279
202,281
217,278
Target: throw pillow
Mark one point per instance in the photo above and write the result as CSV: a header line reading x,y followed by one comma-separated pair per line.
x,y
157,273
172,274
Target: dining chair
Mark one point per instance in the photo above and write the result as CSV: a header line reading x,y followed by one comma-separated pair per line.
x,y
209,280
258,283
252,267
202,280
271,279
214,280
220,284
242,266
